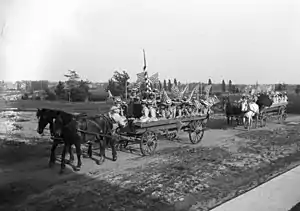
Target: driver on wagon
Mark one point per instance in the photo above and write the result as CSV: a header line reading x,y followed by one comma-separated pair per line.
x,y
114,114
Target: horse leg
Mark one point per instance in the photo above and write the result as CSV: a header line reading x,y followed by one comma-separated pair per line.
x,y
249,122
90,151
102,144
113,149
227,120
78,152
71,154
52,155
63,158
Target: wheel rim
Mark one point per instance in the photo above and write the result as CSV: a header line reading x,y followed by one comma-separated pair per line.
x,y
196,132
148,143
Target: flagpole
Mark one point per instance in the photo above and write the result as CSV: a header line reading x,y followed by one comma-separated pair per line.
x,y
201,88
126,89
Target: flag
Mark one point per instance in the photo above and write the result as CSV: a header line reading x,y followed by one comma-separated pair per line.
x,y
154,78
183,91
195,90
175,91
207,89
164,97
109,94
134,85
186,89
140,77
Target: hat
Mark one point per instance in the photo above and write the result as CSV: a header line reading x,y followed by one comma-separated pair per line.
x,y
114,109
144,101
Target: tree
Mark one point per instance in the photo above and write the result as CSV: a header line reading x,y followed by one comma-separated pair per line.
x,y
297,89
165,84
223,86
209,82
169,85
117,84
60,90
175,81
160,85
230,86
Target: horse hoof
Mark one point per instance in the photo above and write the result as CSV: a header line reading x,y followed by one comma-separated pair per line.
x,y
69,161
77,168
114,158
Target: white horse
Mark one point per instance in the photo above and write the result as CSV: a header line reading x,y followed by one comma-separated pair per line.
x,y
251,109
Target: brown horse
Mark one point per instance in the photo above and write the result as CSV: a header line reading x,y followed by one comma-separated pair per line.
x,y
75,131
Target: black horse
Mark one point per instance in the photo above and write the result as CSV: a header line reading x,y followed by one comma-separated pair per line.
x,y
75,131
232,110
46,116
263,101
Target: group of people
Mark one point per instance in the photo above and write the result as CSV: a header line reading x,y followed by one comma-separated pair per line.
x,y
275,97
153,108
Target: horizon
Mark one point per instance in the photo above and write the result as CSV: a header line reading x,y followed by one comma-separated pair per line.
x,y
244,41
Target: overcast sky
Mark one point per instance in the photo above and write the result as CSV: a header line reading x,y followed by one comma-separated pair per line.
x,y
193,40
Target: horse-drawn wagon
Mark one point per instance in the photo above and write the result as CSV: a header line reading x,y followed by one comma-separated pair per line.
x,y
147,133
260,109
275,111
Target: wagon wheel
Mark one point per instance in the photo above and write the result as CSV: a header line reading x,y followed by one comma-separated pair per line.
x,y
171,135
282,115
196,131
263,120
148,143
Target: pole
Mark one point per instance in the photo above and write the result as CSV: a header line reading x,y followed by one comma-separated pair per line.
x,y
126,90
201,88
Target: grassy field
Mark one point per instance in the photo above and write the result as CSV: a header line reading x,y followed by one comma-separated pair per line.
x,y
78,107
101,107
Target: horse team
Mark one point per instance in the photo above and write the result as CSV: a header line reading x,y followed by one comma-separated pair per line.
x,y
72,130
247,109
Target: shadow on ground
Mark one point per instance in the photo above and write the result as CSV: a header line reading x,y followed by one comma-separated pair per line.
x,y
28,184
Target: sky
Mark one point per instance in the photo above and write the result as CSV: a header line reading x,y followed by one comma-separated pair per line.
x,y
191,40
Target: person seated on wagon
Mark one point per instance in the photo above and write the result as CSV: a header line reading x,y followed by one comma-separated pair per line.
x,y
118,120
285,97
179,108
174,108
133,94
152,97
162,110
145,112
118,102
275,98
152,110
169,109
